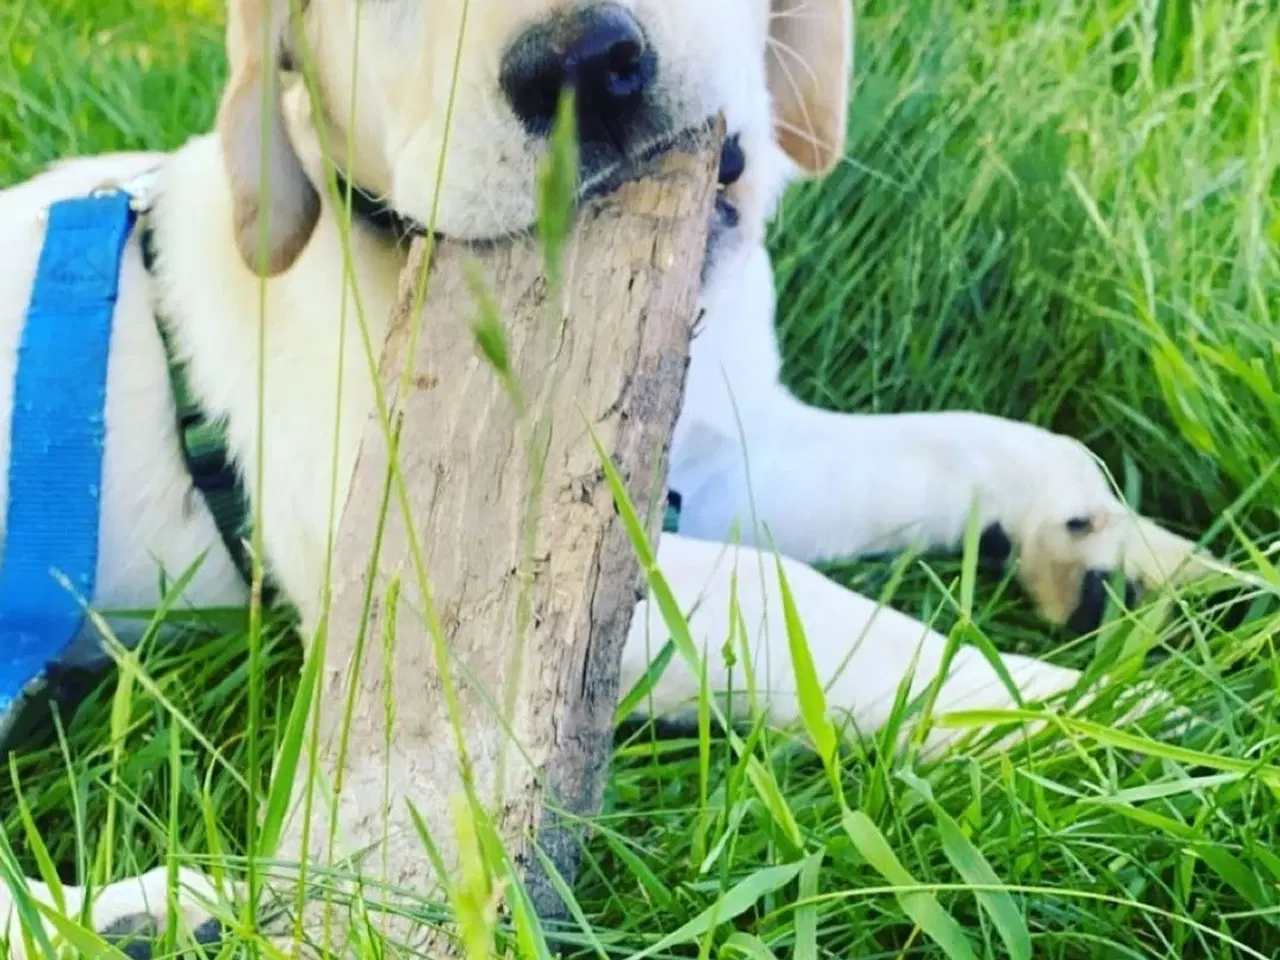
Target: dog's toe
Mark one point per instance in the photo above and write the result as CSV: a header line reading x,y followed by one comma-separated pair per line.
x,y
140,937
134,935
1091,605
134,914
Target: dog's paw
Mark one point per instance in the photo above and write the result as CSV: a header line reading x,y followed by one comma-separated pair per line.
x,y
132,915
139,937
1078,547
1075,567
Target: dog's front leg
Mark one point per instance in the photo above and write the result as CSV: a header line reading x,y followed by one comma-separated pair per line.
x,y
862,652
817,485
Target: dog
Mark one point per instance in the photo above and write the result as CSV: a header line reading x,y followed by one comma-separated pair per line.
x,y
759,476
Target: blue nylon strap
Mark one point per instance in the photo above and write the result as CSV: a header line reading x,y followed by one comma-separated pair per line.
x,y
57,436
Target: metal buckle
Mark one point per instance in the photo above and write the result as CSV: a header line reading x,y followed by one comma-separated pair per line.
x,y
138,189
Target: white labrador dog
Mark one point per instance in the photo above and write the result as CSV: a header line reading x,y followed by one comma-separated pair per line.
x,y
822,485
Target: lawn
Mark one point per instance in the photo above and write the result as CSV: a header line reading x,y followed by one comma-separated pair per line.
x,y
1062,211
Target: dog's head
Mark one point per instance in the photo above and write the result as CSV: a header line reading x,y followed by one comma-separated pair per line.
x,y
402,84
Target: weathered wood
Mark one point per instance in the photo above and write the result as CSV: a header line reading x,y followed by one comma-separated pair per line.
x,y
613,357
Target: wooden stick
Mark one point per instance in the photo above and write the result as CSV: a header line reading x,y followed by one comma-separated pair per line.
x,y
552,620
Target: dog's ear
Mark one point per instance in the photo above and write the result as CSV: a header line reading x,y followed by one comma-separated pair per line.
x,y
275,205
810,58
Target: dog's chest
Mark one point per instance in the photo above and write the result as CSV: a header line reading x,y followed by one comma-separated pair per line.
x,y
288,364
317,376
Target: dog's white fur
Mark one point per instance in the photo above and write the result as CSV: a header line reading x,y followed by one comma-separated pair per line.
x,y
747,456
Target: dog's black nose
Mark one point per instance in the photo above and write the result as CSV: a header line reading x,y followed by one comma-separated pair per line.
x,y
600,52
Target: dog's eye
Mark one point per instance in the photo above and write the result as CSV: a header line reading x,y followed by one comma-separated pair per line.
x,y
733,162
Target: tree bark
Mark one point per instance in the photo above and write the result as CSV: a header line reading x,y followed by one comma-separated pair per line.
x,y
544,607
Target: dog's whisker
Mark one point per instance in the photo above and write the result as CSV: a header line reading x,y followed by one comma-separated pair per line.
x,y
794,56
799,11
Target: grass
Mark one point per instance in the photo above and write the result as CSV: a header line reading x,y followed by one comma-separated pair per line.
x,y
1067,212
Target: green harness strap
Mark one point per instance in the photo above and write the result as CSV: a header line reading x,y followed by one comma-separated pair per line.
x,y
205,448
204,444
671,517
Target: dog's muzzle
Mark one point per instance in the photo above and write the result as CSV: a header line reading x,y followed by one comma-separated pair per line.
x,y
601,53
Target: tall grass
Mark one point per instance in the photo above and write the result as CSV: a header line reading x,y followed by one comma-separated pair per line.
x,y
1064,212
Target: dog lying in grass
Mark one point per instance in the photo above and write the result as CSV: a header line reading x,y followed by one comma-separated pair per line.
x,y
750,464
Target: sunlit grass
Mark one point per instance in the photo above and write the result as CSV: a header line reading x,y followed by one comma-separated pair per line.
x,y
1065,212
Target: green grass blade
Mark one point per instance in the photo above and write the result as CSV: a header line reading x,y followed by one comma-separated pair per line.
x,y
977,871
813,702
733,903
85,942
678,626
1119,740
284,772
746,946
922,907
26,908
639,692
39,852
807,910
1240,877
565,892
